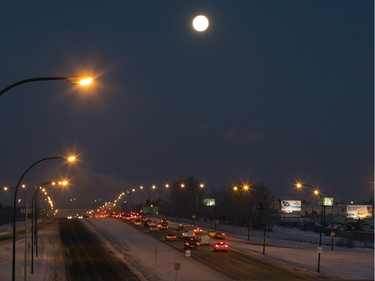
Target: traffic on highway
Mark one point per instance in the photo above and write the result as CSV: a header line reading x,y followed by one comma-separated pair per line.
x,y
208,247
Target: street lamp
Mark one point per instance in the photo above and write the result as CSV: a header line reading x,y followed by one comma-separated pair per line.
x,y
195,188
328,201
81,80
135,200
245,188
69,159
141,193
203,186
316,193
153,188
6,189
34,223
34,217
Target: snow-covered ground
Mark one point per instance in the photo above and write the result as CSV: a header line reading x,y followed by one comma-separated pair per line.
x,y
145,256
48,266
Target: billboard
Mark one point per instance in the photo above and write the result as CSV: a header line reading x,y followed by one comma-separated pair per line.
x,y
327,201
359,211
149,210
209,202
290,206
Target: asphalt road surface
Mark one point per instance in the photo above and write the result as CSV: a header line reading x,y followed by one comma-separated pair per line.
x,y
86,258
240,266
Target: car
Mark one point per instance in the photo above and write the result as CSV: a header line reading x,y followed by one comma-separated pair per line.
x,y
202,238
127,217
198,230
163,224
190,243
186,233
220,235
153,228
211,233
137,221
170,236
149,222
220,246
145,222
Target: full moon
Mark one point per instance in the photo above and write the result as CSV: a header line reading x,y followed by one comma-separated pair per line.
x,y
200,23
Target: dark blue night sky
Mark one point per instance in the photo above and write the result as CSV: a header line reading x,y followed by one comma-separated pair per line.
x,y
272,92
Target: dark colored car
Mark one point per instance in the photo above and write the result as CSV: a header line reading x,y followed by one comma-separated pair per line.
x,y
153,228
220,235
190,243
163,224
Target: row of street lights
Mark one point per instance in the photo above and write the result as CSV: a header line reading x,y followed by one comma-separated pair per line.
x,y
152,188
69,159
247,188
155,187
34,213
81,80
34,210
316,192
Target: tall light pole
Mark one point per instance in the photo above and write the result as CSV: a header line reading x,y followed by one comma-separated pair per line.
x,y
317,193
70,159
135,200
34,217
328,201
194,189
141,189
83,81
153,187
34,224
6,189
245,188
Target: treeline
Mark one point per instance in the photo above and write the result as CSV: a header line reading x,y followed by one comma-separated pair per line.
x,y
252,207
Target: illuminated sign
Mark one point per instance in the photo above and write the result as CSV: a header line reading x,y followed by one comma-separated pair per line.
x,y
327,201
209,202
150,210
289,206
359,211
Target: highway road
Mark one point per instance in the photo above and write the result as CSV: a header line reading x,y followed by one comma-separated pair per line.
x,y
237,265
86,258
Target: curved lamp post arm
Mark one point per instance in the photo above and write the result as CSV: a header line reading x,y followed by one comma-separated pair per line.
x,y
14,210
31,80
36,192
83,80
28,169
